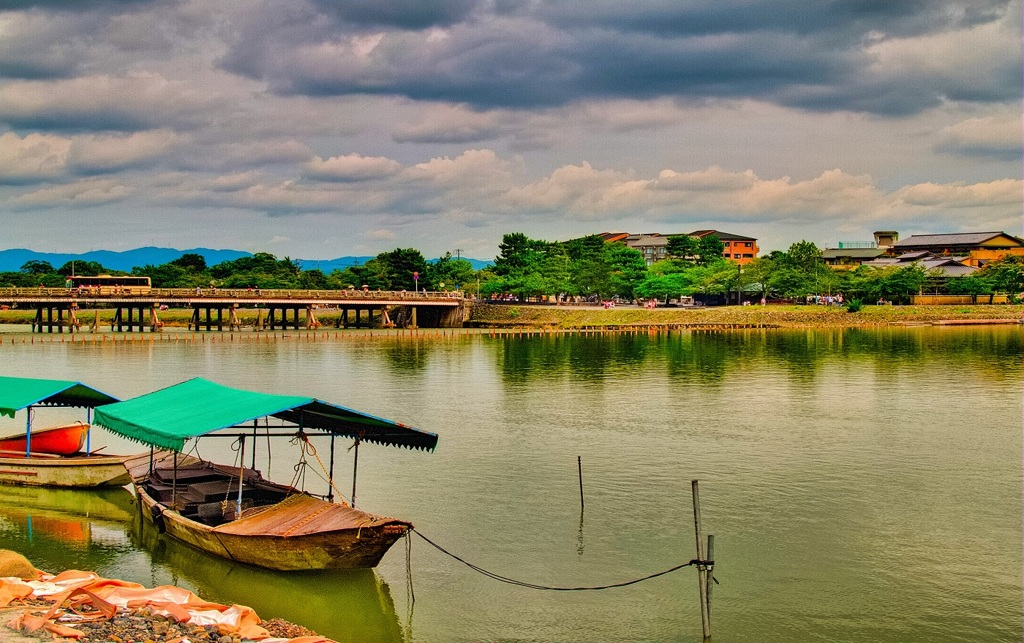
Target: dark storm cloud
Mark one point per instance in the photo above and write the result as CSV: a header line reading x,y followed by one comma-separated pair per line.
x,y
842,18
73,6
402,14
814,56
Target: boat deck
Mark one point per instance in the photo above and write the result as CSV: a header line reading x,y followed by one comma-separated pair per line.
x,y
208,493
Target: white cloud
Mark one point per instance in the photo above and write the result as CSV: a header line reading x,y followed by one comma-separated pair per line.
x,y
351,167
34,157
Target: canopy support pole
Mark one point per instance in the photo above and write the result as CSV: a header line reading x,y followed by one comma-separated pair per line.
x,y
241,474
88,432
28,431
174,481
355,470
330,482
255,427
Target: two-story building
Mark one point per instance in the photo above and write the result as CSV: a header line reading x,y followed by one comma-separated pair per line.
x,y
654,245
738,249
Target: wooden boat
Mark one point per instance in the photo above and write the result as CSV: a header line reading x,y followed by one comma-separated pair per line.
x,y
58,440
49,470
54,458
279,527
234,512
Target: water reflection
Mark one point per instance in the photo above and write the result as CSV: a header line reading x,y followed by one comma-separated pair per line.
x,y
351,605
707,357
102,531
60,529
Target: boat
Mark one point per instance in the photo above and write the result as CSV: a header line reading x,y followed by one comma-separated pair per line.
x,y
57,440
31,461
232,511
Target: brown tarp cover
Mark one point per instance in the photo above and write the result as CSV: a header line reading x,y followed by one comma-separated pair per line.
x,y
302,515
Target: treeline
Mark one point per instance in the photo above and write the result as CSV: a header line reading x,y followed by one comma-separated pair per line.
x,y
587,267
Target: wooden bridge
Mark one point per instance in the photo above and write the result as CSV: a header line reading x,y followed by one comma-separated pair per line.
x,y
217,308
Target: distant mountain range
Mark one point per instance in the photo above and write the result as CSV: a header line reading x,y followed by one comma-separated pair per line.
x,y
12,260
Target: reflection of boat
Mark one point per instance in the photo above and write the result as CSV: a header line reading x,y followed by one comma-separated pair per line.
x,y
58,440
345,605
113,505
35,467
65,528
232,511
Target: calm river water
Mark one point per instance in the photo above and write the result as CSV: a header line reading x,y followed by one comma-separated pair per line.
x,y
862,485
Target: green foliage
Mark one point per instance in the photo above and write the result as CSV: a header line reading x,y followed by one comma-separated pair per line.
x,y
191,262
36,267
85,268
453,273
969,285
1006,274
854,306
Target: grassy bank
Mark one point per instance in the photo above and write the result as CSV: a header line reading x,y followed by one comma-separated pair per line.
x,y
770,316
502,316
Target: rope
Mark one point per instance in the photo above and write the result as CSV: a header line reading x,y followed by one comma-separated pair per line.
x,y
305,446
512,581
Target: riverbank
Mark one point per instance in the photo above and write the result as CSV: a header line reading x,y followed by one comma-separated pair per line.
x,y
570,317
772,316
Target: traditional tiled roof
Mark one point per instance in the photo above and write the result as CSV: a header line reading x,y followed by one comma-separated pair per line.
x,y
955,239
722,236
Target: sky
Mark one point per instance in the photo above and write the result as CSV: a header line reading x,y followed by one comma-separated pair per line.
x,y
319,128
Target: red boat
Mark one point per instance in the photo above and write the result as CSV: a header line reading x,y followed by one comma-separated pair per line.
x,y
57,440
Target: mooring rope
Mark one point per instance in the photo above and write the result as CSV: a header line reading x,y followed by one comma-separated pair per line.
x,y
512,581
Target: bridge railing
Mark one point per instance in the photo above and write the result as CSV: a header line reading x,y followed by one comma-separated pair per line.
x,y
255,294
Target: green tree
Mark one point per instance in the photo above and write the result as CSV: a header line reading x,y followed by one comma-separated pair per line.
x,y
709,250
402,265
972,285
85,268
1006,274
517,252
191,261
37,267
683,247
453,273
628,269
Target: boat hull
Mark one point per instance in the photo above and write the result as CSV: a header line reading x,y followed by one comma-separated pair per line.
x,y
86,471
58,440
353,548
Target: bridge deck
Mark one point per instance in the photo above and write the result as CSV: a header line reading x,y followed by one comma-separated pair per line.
x,y
188,298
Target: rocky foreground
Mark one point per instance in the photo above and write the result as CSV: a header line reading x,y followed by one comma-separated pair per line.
x,y
81,606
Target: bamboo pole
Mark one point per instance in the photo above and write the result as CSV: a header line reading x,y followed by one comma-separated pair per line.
x,y
710,580
702,574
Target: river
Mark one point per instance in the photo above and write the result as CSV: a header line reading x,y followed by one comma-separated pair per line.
x,y
862,485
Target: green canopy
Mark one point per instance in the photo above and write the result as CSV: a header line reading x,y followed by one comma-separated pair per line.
x,y
17,393
168,417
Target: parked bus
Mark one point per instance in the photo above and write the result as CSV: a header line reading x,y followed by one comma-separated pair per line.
x,y
110,284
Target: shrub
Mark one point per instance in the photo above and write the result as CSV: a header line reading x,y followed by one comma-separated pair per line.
x,y
853,306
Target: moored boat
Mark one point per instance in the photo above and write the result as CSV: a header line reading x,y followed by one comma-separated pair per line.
x,y
58,440
48,458
232,511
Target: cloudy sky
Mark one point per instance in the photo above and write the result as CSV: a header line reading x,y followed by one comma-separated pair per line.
x,y
323,128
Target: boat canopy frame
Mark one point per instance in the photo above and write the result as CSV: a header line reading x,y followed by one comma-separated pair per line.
x,y
167,418
196,408
18,393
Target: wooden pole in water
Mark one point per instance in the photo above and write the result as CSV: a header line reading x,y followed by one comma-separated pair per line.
x,y
711,577
579,466
702,574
